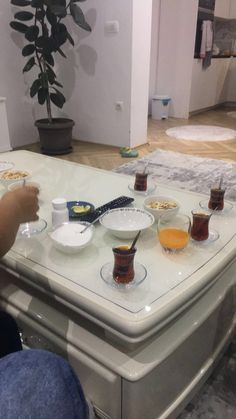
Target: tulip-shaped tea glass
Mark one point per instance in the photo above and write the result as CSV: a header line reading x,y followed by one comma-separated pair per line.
x,y
123,271
174,233
140,183
200,224
216,201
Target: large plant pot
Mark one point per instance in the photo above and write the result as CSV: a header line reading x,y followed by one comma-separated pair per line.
x,y
55,137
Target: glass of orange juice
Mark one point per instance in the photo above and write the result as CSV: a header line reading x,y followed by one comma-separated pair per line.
x,y
174,233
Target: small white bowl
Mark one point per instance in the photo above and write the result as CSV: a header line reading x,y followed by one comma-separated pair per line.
x,y
157,213
125,223
19,184
7,182
67,237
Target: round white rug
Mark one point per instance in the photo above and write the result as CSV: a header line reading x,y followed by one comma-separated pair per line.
x,y
201,133
232,114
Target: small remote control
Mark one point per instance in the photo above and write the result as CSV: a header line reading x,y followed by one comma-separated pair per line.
x,y
120,202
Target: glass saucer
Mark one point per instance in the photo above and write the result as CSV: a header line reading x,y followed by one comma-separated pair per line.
x,y
6,165
150,188
27,230
213,236
107,276
227,207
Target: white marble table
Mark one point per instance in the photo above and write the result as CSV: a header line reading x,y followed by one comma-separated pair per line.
x,y
174,324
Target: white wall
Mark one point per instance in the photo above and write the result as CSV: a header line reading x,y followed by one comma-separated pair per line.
x,y
19,108
141,47
107,73
154,49
175,53
232,10
5,144
222,8
97,73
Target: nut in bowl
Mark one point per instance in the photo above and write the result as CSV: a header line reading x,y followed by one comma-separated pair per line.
x,y
161,206
69,238
125,223
12,176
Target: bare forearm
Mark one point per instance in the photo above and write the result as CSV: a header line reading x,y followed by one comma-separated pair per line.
x,y
9,225
16,207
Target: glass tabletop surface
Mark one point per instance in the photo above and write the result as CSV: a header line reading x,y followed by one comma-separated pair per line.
x,y
165,272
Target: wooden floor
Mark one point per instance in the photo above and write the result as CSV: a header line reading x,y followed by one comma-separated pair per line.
x,y
108,157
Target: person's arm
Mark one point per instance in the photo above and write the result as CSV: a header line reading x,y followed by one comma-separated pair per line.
x,y
16,207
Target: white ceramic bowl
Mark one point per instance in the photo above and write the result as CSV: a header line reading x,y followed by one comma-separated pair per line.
x,y
19,184
67,237
157,213
8,181
125,223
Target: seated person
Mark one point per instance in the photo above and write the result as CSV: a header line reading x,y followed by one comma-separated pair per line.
x,y
34,384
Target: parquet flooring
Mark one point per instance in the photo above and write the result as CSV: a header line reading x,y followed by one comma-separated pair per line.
x,y
108,157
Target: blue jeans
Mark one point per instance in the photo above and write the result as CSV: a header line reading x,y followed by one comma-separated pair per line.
x,y
9,335
36,384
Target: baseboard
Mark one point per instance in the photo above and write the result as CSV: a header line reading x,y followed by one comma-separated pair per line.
x,y
230,104
210,108
4,149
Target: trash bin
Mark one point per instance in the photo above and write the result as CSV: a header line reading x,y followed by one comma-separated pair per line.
x,y
160,106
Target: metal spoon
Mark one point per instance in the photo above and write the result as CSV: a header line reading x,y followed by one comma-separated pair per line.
x,y
90,224
135,240
220,183
145,168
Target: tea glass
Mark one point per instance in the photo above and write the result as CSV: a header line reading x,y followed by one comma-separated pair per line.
x,y
216,201
140,183
29,229
200,224
174,233
123,271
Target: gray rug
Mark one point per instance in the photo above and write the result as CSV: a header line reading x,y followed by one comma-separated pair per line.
x,y
185,172
217,397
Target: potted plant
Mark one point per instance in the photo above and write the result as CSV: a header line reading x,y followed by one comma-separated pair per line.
x,y
43,26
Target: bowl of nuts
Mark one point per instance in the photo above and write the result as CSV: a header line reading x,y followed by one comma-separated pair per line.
x,y
11,176
161,206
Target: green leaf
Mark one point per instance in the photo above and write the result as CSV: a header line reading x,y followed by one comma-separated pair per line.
x,y
32,33
40,14
61,52
41,42
37,4
29,65
59,32
28,50
35,87
57,83
78,17
19,27
52,19
23,16
70,39
49,59
44,80
42,95
58,99
20,2
50,73
58,7
50,79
